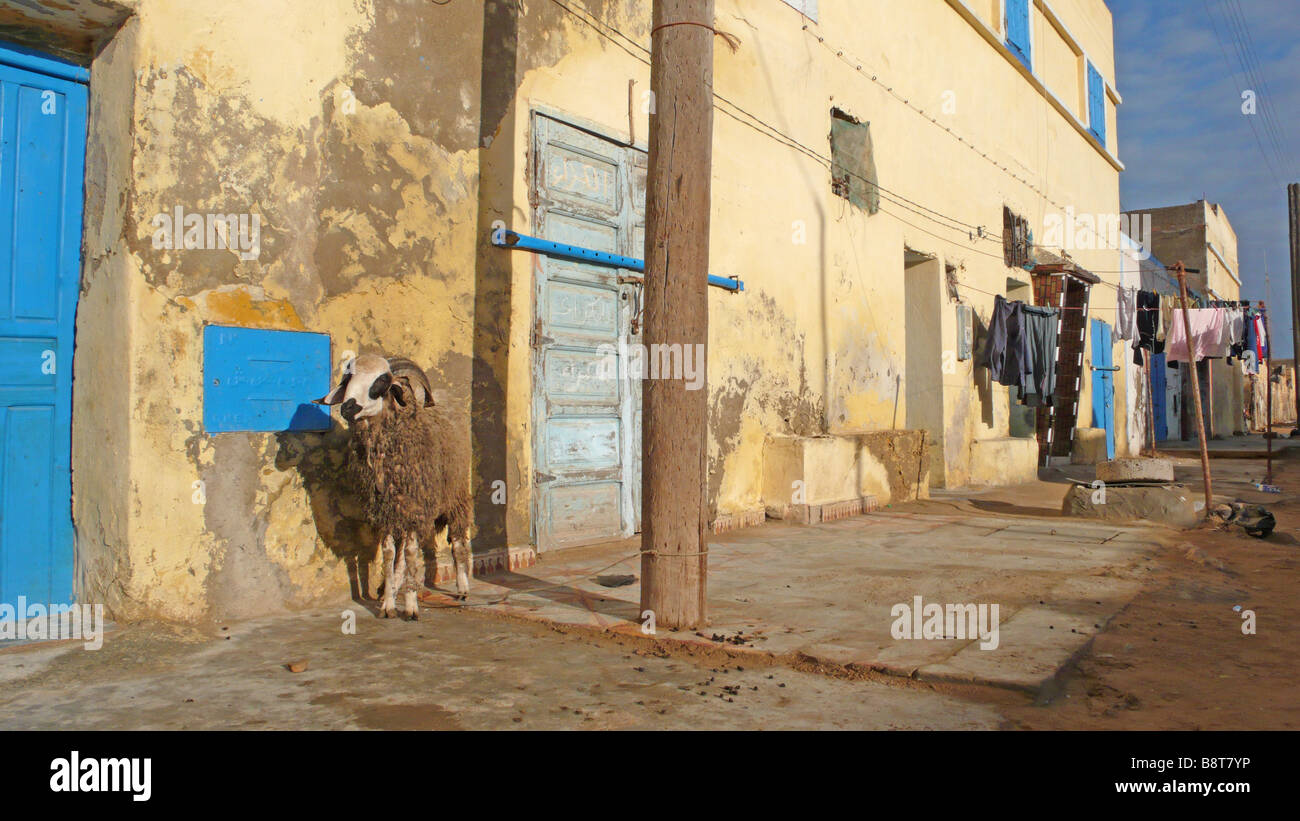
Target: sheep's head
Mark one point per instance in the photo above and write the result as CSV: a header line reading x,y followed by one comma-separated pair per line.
x,y
369,381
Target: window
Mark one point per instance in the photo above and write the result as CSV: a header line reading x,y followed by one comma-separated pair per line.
x,y
1015,239
853,163
1017,26
1096,104
808,8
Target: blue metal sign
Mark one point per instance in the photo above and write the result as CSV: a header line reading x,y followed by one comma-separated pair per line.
x,y
258,380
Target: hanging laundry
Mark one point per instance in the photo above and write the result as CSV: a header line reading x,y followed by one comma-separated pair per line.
x,y
1148,325
1126,313
1166,316
1206,334
1003,351
1236,330
1224,348
1250,352
1261,338
1039,335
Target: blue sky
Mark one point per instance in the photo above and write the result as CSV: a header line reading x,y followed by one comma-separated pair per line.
x,y
1182,133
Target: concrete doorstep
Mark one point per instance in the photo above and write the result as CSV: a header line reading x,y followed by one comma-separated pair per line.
x,y
843,596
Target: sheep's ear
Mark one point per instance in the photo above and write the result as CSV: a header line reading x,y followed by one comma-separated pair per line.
x,y
400,390
335,396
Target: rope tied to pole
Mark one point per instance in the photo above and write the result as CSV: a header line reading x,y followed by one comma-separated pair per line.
x,y
732,41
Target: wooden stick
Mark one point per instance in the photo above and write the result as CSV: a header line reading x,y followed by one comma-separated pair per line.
x,y
1196,385
1151,407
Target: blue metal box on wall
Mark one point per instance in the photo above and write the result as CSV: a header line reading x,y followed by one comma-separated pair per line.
x,y
260,380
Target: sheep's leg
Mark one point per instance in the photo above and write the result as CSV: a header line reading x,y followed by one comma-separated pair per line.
x,y
460,555
411,584
388,607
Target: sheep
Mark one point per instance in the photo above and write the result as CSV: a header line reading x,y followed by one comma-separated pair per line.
x,y
410,467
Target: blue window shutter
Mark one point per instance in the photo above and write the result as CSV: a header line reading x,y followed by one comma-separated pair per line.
x,y
1018,31
1096,104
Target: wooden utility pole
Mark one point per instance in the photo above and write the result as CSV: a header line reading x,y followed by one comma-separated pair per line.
x,y
1181,273
1151,408
1293,202
674,560
1267,365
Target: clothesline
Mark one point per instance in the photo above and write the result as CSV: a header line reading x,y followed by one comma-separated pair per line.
x,y
1261,306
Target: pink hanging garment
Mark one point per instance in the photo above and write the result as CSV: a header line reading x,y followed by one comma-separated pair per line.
x,y
1207,334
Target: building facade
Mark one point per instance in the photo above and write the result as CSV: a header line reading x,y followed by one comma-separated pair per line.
x,y
873,176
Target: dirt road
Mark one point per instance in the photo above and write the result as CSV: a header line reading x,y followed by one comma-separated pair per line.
x,y
1176,657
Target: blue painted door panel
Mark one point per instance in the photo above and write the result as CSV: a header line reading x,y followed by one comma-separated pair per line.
x,y
42,152
258,380
1158,400
1103,384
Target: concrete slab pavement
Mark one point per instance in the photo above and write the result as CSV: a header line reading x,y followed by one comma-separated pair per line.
x,y
825,593
446,671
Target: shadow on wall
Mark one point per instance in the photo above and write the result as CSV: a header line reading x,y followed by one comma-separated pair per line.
x,y
492,292
336,506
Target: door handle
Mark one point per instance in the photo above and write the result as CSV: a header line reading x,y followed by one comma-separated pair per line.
x,y
1109,370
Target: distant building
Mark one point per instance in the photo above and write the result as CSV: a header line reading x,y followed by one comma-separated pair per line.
x,y
1200,236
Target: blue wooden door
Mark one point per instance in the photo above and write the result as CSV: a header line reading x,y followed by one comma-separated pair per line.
x,y
1103,384
1158,400
42,151
590,192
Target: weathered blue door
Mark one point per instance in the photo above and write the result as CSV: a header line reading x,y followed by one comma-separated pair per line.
x,y
1158,401
42,153
1103,384
587,394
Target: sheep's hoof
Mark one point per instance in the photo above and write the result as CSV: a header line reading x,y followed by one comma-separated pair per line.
x,y
388,612
414,615
461,596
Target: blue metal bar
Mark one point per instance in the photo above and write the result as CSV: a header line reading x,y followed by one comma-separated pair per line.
x,y
523,242
20,57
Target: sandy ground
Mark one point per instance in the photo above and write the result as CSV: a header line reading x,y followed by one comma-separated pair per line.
x,y
451,670
1176,657
1167,653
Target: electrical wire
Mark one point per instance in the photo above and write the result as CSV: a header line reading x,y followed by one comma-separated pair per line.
x,y
758,124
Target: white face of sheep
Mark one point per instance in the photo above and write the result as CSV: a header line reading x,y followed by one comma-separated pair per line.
x,y
366,381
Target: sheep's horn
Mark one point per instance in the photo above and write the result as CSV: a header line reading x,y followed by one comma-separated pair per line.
x,y
401,367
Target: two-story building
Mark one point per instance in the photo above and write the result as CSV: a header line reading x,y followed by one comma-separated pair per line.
x,y
881,170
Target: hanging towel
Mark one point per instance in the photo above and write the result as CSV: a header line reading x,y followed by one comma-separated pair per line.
x,y
1224,348
1206,334
1126,314
1261,338
1166,316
